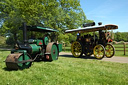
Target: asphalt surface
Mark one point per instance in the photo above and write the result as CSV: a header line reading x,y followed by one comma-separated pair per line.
x,y
113,59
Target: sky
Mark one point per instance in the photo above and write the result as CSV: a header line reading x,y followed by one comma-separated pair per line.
x,y
107,12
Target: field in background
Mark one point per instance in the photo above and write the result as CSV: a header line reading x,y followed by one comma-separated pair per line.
x,y
66,71
2,41
117,53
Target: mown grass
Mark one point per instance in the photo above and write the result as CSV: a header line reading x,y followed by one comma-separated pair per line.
x,y
66,71
117,53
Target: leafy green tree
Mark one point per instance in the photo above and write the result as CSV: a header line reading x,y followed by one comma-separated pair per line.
x,y
121,36
56,14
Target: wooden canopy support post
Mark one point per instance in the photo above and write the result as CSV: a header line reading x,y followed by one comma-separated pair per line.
x,y
94,36
112,34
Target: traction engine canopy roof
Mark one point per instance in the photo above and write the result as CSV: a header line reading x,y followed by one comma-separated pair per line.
x,y
93,28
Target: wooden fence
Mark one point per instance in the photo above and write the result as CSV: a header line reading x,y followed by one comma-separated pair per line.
x,y
123,46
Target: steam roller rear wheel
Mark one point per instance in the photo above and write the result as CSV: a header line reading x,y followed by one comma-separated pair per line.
x,y
52,51
13,61
76,49
99,51
109,50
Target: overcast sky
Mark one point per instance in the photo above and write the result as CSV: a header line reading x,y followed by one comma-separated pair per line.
x,y
107,12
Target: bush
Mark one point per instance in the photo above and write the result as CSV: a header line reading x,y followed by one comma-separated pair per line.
x,y
2,40
114,42
122,42
10,40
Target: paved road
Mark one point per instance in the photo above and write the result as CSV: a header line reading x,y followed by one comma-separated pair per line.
x,y
113,59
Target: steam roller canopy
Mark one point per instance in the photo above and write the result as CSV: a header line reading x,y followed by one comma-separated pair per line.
x,y
52,52
18,61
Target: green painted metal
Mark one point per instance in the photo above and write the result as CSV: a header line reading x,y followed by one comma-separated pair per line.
x,y
19,51
39,42
60,47
24,65
54,52
35,48
46,40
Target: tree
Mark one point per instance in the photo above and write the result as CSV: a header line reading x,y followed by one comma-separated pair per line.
x,y
121,36
56,14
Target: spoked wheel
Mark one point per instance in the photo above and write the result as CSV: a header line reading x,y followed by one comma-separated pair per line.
x,y
76,49
109,50
99,51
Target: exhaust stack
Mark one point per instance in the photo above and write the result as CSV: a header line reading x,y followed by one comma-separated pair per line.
x,y
25,34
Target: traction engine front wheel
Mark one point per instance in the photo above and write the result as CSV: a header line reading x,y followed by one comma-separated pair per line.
x,y
76,49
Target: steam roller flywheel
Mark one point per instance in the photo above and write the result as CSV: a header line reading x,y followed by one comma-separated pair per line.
x,y
18,61
52,51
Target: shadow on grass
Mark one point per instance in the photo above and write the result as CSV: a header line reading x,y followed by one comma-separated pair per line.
x,y
6,69
82,57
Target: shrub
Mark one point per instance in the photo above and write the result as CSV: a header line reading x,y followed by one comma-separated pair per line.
x,y
114,42
10,40
122,42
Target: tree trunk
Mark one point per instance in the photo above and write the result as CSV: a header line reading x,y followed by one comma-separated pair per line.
x,y
15,38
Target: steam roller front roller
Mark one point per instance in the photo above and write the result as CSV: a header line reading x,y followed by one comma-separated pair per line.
x,y
76,49
52,51
18,61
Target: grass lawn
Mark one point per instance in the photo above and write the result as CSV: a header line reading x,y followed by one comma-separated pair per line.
x,y
66,71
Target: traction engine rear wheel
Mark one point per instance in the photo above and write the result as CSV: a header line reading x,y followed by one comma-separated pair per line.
x,y
76,49
109,50
99,51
